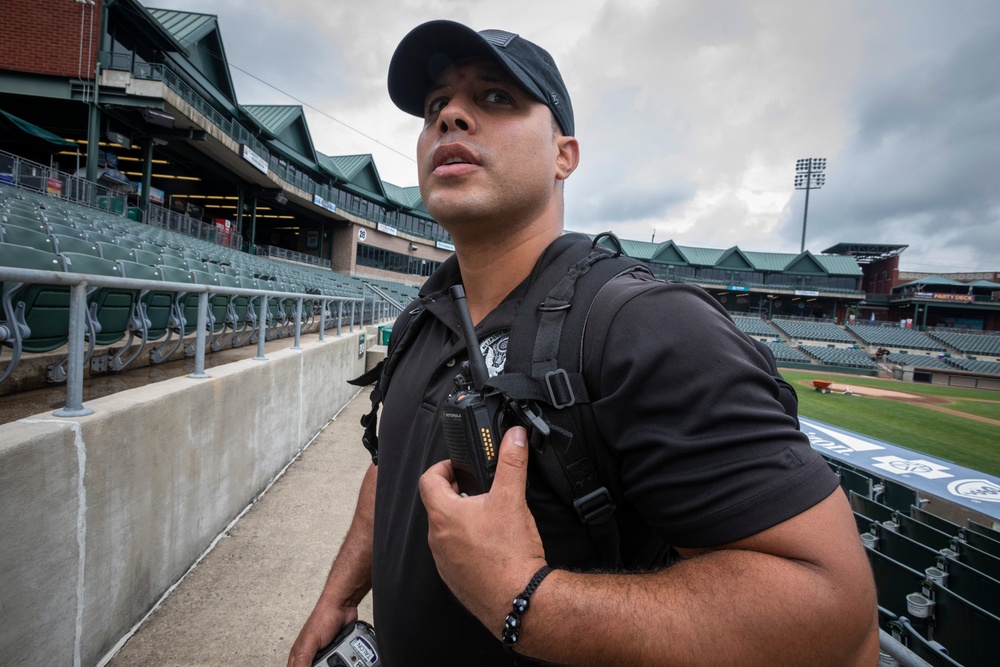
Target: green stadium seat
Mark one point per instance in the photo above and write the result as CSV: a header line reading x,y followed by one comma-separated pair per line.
x,y
109,308
150,315
75,244
33,316
115,252
176,325
62,230
27,237
147,257
14,220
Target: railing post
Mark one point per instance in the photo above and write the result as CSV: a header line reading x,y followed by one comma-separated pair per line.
x,y
261,329
351,323
322,318
74,357
340,316
298,323
199,341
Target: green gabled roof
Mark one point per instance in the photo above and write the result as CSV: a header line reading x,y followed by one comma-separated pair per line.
x,y
933,280
357,170
805,263
406,197
773,262
734,258
701,256
638,249
839,265
669,253
287,124
984,283
186,27
201,41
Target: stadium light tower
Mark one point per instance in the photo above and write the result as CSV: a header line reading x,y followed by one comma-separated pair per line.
x,y
809,175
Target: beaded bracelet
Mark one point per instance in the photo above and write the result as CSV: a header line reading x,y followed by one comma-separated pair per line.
x,y
512,624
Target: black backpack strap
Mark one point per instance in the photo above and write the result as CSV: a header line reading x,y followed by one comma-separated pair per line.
x,y
547,369
405,329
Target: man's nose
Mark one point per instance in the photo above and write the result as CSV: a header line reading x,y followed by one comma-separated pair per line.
x,y
455,115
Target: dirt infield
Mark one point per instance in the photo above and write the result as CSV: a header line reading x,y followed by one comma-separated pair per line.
x,y
927,401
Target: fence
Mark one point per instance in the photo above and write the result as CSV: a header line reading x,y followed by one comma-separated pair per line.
x,y
79,284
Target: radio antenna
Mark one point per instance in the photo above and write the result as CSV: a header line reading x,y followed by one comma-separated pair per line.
x,y
477,363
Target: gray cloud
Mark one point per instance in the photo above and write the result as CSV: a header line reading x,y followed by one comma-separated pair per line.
x,y
691,113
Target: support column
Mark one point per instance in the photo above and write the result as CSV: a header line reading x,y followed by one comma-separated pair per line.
x,y
253,226
147,178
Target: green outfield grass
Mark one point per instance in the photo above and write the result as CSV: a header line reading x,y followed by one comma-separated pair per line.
x,y
954,438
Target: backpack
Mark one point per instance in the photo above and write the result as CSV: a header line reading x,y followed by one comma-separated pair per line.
x,y
544,366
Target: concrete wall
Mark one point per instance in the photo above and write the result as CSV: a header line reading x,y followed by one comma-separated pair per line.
x,y
102,514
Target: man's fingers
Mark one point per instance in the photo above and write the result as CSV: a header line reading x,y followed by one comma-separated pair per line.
x,y
512,464
437,480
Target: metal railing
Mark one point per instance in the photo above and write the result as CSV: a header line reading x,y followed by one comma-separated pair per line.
x,y
60,185
76,341
293,256
383,305
178,222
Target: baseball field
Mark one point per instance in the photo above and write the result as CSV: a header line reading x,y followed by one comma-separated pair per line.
x,y
958,425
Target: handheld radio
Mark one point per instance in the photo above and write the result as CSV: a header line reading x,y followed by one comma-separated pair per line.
x,y
473,420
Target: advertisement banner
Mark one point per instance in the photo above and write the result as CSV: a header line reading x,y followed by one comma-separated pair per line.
x,y
938,296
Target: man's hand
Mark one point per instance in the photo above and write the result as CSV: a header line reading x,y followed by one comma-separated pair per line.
x,y
486,547
322,626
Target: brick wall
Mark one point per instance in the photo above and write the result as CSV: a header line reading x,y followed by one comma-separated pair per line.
x,y
43,36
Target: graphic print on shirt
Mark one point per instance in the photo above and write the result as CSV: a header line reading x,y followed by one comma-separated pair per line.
x,y
495,351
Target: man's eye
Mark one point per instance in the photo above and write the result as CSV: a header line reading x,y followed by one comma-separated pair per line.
x,y
498,97
435,105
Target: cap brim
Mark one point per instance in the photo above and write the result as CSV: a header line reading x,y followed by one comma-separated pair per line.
x,y
428,49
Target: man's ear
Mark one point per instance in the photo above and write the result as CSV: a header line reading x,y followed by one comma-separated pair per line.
x,y
567,156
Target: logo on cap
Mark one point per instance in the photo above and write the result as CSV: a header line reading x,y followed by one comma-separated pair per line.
x,y
499,38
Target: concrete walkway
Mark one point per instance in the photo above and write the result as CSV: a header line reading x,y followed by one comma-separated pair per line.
x,y
245,602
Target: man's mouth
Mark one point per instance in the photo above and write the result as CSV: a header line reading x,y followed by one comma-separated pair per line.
x,y
454,159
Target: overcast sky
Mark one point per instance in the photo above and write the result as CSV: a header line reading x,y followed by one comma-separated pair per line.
x,y
692,113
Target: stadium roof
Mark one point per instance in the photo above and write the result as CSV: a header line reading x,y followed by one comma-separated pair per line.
x,y
866,253
735,258
934,280
201,43
984,283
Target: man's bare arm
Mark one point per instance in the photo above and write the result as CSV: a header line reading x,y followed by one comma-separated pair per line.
x,y
349,581
798,593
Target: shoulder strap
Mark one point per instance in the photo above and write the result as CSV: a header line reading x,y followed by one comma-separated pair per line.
x,y
405,329
547,368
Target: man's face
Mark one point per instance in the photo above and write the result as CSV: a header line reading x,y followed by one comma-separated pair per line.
x,y
488,148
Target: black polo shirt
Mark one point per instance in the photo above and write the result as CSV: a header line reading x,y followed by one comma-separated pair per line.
x,y
688,407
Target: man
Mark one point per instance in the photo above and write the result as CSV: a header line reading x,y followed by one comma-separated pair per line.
x,y
770,568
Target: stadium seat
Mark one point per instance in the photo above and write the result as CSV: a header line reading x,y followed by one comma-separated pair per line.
x,y
14,220
25,236
147,257
109,308
219,316
897,496
183,307
115,252
983,537
35,318
150,314
75,244
855,481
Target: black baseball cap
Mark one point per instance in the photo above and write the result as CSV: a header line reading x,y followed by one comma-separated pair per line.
x,y
431,47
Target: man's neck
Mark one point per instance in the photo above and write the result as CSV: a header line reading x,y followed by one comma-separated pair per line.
x,y
493,268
